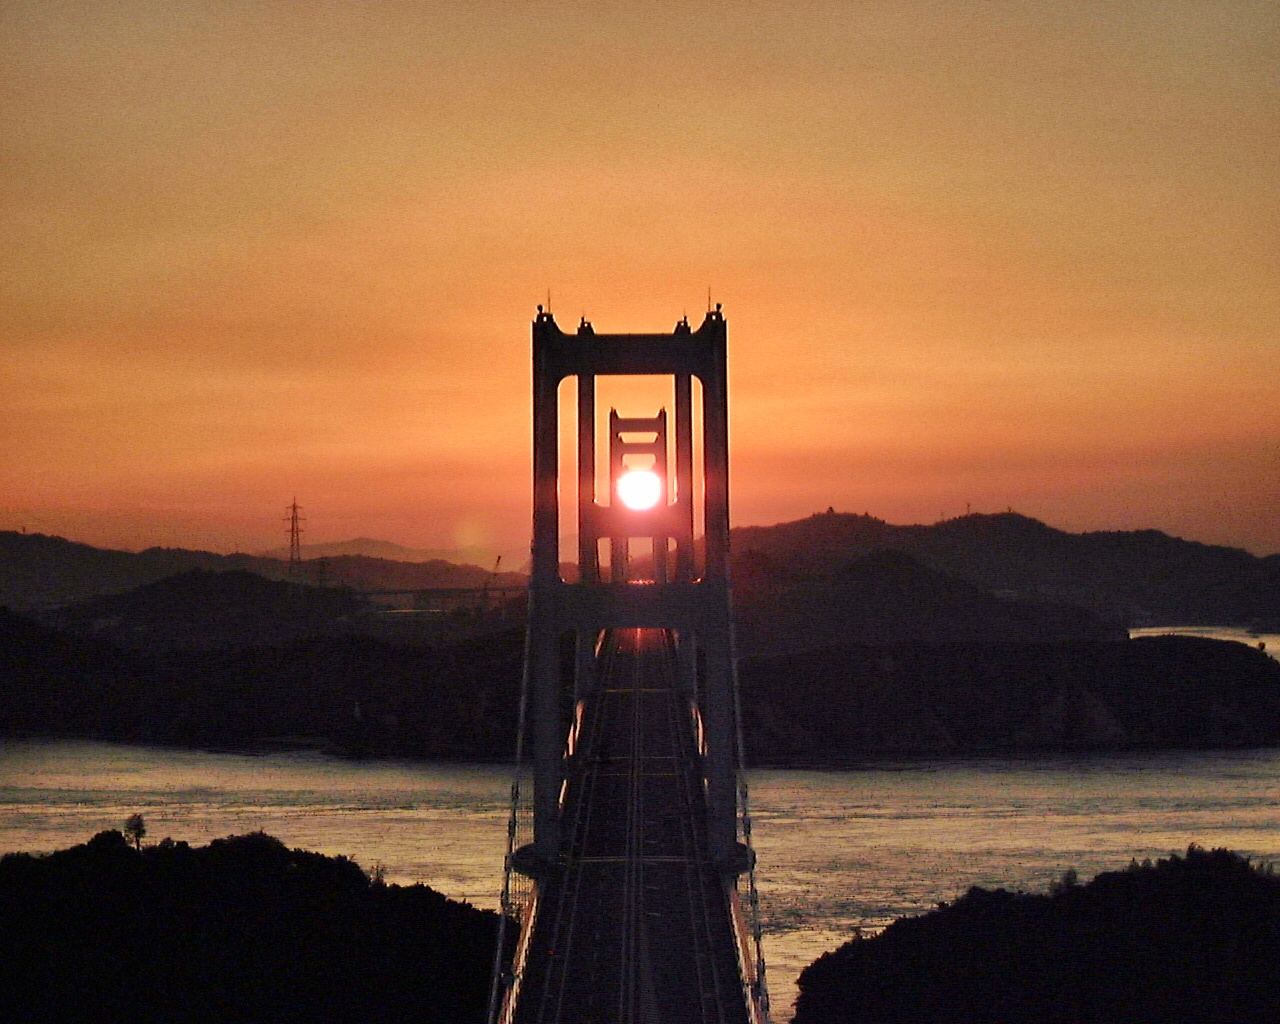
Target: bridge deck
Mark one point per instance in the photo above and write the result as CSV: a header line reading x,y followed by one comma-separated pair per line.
x,y
634,926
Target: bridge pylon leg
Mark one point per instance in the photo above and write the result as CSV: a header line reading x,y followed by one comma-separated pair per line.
x,y
721,733
548,740
584,667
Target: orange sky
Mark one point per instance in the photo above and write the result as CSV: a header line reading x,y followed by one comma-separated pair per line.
x,y
1018,255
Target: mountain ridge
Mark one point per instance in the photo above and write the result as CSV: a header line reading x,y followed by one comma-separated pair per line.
x,y
38,571
1143,577
371,547
1139,577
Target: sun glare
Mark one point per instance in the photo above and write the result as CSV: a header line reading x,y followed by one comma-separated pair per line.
x,y
640,489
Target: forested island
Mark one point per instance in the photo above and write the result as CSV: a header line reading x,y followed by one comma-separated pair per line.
x,y
839,704
365,695
368,696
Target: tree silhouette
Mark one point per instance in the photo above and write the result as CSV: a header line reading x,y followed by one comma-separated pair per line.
x,y
1192,938
243,929
136,828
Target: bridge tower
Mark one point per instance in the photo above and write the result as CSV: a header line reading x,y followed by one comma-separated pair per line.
x,y
679,616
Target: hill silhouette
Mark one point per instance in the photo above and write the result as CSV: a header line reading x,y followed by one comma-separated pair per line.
x,y
56,684
1141,577
366,695
201,608
243,929
41,572
1192,938
371,547
853,701
881,651
888,597
348,693
1145,577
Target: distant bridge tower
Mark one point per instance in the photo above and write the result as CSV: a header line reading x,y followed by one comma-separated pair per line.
x,y
678,622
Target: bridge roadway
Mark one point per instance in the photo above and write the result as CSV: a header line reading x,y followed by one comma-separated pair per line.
x,y
635,924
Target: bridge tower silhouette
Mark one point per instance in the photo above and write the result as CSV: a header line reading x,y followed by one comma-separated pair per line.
x,y
629,867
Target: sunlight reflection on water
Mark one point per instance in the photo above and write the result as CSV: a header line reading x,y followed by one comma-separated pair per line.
x,y
837,849
840,850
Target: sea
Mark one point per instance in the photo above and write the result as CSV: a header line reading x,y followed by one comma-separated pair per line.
x,y
839,851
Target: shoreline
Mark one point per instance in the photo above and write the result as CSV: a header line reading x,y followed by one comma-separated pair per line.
x,y
876,760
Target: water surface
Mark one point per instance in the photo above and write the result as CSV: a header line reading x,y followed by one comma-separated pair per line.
x,y
837,849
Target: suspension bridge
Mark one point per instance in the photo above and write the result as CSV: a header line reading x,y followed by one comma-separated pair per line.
x,y
630,873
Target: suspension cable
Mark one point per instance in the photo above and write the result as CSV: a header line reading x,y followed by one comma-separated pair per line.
x,y
504,900
753,894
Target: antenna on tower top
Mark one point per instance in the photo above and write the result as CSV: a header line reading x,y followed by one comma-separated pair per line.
x,y
548,300
708,298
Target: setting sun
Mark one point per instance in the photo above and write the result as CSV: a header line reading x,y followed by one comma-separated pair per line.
x,y
640,489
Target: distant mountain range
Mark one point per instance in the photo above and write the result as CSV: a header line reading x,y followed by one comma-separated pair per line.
x,y
40,572
1142,577
388,551
1139,577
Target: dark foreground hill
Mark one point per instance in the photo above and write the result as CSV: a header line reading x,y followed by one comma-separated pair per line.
x,y
241,930
1188,939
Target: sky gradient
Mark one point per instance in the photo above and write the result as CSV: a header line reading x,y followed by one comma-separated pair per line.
x,y
972,255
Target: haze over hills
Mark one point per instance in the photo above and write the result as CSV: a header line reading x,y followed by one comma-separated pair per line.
x,y
389,551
